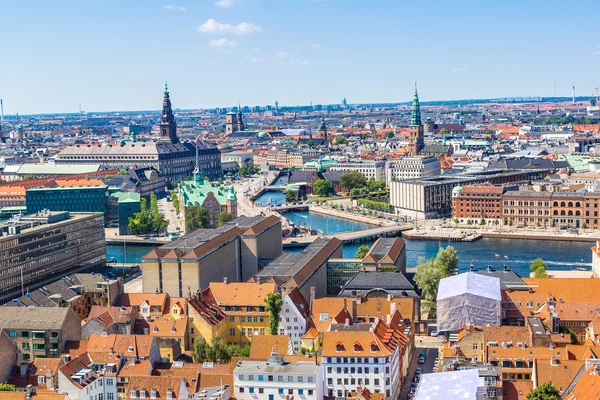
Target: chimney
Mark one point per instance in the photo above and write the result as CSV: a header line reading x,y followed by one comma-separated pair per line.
x,y
189,293
258,280
392,307
389,297
312,293
354,310
345,303
225,280
200,296
347,323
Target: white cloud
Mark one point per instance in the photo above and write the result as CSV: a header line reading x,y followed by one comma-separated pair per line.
x,y
212,26
281,55
223,45
459,69
225,3
305,62
314,46
174,7
255,59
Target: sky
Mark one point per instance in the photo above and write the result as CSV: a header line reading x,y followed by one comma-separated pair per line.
x,y
114,55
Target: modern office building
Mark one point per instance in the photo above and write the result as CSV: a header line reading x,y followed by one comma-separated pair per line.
x,y
39,248
119,207
172,158
72,199
233,251
412,168
370,169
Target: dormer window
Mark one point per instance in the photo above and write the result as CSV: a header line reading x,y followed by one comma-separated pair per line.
x,y
133,394
248,308
153,394
374,347
339,347
155,329
357,347
170,394
143,394
130,349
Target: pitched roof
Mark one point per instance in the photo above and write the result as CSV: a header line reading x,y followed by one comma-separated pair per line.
x,y
588,386
263,345
35,317
241,293
161,383
561,375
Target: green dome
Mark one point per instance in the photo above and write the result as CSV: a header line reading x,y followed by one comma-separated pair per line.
x,y
262,134
457,190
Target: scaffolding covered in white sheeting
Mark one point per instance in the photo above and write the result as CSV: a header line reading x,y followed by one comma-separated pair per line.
x,y
463,385
468,299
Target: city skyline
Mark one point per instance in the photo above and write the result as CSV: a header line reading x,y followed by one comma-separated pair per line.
x,y
115,57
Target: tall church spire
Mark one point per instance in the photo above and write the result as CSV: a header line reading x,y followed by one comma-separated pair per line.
x,y
168,126
415,117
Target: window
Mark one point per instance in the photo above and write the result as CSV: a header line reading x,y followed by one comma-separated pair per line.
x,y
231,319
242,319
474,346
231,331
12,334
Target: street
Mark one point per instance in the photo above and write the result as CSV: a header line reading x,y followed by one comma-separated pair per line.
x,y
430,346
166,208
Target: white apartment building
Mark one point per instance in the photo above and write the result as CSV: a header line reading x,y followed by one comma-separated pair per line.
x,y
358,357
277,380
370,169
292,319
412,168
82,383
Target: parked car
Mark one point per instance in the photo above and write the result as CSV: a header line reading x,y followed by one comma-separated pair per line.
x,y
419,370
422,358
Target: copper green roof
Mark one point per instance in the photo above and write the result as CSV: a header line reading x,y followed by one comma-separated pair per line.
x,y
194,193
415,117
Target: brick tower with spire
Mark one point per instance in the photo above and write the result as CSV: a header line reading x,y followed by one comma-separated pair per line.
x,y
168,126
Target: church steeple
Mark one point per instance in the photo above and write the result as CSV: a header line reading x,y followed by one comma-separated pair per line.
x,y
198,173
323,131
415,117
240,118
168,126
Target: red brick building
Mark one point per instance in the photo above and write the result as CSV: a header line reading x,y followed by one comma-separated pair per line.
x,y
476,202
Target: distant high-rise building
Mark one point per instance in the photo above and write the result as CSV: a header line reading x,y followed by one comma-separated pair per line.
x,y
344,103
276,105
415,129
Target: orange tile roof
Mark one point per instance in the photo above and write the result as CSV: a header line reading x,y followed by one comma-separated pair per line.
x,y
168,327
346,343
561,375
241,293
161,383
588,386
516,390
262,345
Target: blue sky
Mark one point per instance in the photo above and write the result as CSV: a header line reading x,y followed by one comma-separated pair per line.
x,y
115,55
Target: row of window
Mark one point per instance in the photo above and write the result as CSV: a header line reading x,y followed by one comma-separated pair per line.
x,y
243,318
356,370
281,391
248,308
278,378
358,360
247,332
353,381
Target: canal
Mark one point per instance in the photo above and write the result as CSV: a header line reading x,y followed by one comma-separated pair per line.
x,y
519,253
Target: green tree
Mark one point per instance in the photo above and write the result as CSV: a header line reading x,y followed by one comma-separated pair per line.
x,y
215,351
123,172
353,179
323,187
219,351
584,226
442,131
141,222
201,350
196,217
341,140
290,196
274,304
159,221
389,135
28,177
7,387
482,221
553,223
224,217
310,143
238,351
375,185
547,391
447,260
510,222
361,252
175,201
428,278
538,267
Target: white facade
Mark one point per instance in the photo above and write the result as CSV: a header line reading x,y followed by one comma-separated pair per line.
x,y
412,168
378,374
370,169
101,388
275,380
292,323
596,260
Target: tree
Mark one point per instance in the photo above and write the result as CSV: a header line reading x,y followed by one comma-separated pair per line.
x,y
216,350
7,387
447,260
159,221
201,350
224,217
196,217
553,223
323,187
547,391
274,304
375,185
175,201
290,196
428,278
141,222
510,222
123,172
443,131
389,135
361,252
456,221
310,143
538,267
482,221
353,179
28,177
496,222
341,140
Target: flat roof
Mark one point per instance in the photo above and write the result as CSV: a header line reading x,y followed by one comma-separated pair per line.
x,y
303,368
41,221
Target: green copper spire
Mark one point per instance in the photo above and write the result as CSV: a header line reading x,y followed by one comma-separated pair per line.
x,y
166,89
415,117
198,173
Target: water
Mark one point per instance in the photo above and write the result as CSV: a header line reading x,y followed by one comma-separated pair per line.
x,y
557,255
270,198
325,224
282,180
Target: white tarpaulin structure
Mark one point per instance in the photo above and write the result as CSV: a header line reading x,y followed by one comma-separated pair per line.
x,y
468,299
463,385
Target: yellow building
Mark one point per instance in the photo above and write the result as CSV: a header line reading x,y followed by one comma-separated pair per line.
x,y
235,310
